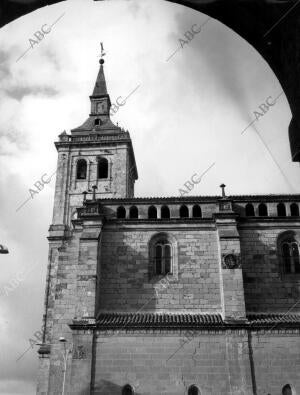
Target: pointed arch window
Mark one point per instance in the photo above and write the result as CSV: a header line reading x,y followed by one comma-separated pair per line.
x,y
81,169
165,212
197,213
249,210
152,212
127,390
133,212
294,210
262,210
102,168
183,211
121,212
281,211
193,390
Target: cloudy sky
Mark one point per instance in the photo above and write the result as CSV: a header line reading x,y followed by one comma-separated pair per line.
x,y
188,112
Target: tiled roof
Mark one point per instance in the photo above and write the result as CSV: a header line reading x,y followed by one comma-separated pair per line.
x,y
184,321
171,320
89,125
148,320
274,319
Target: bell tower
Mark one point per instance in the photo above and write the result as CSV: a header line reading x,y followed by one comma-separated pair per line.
x,y
96,155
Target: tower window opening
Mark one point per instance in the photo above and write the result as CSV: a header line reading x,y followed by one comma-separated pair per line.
x,y
294,210
121,212
281,211
102,168
127,390
152,212
262,210
97,122
197,213
249,210
183,212
133,212
81,169
193,390
165,212
287,390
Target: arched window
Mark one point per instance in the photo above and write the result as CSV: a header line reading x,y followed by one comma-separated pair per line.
x,y
162,257
290,255
81,169
262,210
287,390
249,210
281,211
127,390
133,212
197,213
152,212
165,212
121,212
294,210
193,390
102,168
183,212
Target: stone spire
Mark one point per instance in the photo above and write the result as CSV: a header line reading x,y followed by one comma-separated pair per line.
x,y
100,85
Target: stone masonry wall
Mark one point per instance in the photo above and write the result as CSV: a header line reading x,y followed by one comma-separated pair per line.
x,y
276,360
125,283
217,362
266,288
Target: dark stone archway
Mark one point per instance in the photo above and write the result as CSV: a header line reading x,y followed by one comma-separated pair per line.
x,y
272,27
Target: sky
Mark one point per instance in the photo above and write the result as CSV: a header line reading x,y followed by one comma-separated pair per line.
x,y
194,95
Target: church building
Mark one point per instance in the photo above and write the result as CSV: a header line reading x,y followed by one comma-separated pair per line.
x,y
190,295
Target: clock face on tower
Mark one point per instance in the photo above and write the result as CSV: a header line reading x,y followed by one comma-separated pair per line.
x,y
101,107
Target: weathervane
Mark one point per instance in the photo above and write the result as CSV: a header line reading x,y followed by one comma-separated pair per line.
x,y
101,61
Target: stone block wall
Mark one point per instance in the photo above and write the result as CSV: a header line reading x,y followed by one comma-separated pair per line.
x,y
125,283
266,287
276,358
217,362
